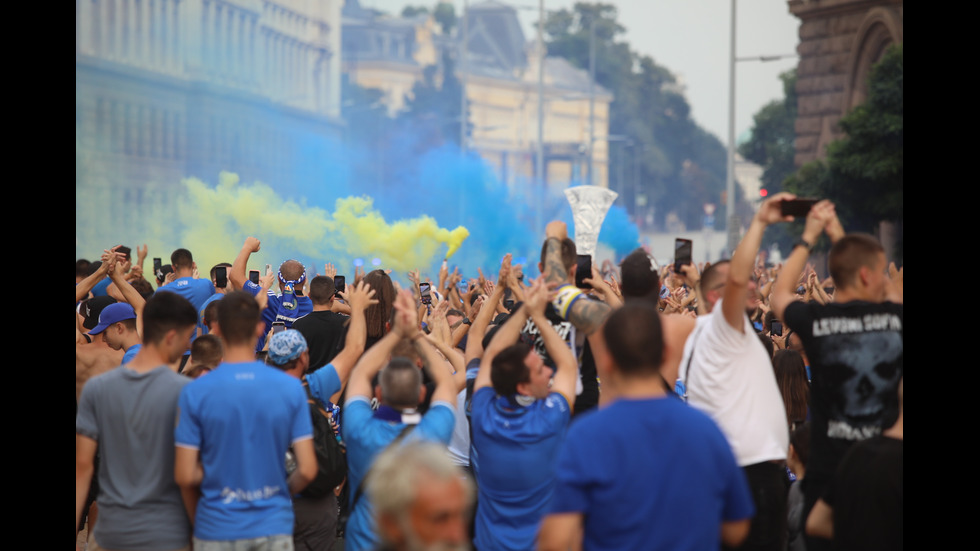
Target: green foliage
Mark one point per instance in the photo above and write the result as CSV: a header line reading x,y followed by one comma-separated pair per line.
x,y
445,15
681,165
863,172
412,11
435,104
773,135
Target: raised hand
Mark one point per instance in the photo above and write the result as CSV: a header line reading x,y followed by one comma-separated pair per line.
x,y
771,210
252,244
538,296
406,318
329,270
359,296
504,274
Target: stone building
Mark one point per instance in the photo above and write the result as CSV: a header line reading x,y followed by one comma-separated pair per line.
x,y
840,40
166,89
500,76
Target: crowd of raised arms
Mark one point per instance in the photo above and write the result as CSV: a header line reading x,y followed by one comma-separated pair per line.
x,y
734,405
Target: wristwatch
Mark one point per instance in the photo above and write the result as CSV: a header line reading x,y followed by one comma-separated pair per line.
x,y
466,321
803,243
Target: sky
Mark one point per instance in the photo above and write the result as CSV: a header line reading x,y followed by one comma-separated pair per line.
x,y
692,39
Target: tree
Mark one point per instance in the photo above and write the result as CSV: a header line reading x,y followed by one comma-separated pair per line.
x,y
681,165
772,144
412,11
445,14
863,172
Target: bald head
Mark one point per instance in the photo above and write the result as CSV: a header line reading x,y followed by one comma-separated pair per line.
x,y
291,270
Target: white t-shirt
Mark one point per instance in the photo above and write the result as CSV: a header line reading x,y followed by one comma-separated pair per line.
x,y
731,378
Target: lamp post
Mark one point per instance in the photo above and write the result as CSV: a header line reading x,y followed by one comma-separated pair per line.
x,y
733,222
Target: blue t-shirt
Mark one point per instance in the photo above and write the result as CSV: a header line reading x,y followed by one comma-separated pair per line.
x,y
101,288
324,383
650,474
518,449
367,436
242,418
196,291
278,310
131,353
204,306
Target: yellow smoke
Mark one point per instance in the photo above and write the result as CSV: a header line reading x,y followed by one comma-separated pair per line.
x,y
217,220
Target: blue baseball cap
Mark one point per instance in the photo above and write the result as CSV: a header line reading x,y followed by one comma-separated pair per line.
x,y
114,313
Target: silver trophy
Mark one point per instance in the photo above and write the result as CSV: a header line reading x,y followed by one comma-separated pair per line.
x,y
589,207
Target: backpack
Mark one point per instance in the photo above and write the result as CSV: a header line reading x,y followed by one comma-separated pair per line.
x,y
331,457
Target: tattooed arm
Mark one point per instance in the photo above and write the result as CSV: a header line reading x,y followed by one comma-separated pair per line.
x,y
585,314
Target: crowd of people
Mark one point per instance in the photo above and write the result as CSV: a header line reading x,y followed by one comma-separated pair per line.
x,y
733,405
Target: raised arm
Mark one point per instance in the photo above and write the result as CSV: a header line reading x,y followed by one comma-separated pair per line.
x,y
375,358
505,336
586,315
821,215
474,344
437,368
85,286
566,372
129,293
743,260
359,297
238,275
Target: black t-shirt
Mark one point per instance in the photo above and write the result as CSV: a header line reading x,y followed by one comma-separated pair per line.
x,y
867,496
855,351
324,333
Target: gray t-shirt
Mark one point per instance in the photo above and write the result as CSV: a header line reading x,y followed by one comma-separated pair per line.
x,y
131,415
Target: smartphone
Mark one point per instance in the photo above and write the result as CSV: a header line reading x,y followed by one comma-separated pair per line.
x,y
797,207
157,265
340,284
584,271
221,277
268,268
278,327
253,276
682,253
424,290
776,328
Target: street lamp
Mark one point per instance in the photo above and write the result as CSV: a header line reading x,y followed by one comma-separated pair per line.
x,y
733,223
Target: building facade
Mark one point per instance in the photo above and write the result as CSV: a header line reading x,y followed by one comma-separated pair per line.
x,y
498,68
166,89
840,40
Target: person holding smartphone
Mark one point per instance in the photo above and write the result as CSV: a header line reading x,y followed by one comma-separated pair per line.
x,y
219,277
727,373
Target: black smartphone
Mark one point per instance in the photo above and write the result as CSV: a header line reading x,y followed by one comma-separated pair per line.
x,y
221,277
425,291
157,265
776,328
340,284
278,327
682,253
797,207
584,271
253,276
